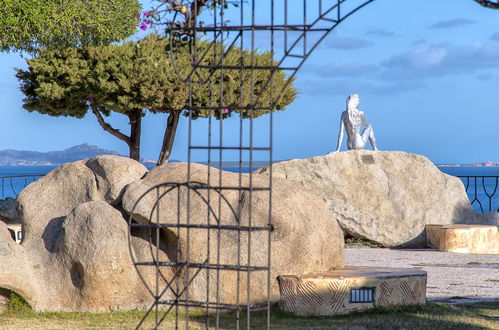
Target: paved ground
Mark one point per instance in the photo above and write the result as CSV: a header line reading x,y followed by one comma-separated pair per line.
x,y
472,276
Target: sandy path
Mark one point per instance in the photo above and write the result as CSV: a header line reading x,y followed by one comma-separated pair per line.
x,y
474,276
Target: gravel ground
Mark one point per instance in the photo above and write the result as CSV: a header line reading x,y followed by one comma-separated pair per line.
x,y
471,277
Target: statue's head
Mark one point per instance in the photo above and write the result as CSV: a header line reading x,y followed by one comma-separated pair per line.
x,y
353,101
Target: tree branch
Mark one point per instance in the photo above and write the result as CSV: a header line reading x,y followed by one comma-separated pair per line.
x,y
488,3
108,128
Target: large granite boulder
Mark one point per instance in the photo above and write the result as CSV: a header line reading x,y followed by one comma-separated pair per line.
x,y
305,237
44,203
384,196
75,255
90,268
8,211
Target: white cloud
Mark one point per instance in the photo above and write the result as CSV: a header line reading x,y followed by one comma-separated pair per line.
x,y
341,69
444,59
347,43
380,33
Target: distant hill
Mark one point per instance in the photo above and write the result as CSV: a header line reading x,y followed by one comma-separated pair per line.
x,y
21,157
482,164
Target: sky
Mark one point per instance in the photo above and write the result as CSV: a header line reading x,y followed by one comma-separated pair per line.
x,y
427,73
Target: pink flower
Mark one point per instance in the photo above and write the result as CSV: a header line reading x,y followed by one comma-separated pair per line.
x,y
146,13
225,110
137,15
143,26
148,21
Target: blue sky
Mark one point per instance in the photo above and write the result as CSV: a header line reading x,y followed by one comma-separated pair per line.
x,y
427,73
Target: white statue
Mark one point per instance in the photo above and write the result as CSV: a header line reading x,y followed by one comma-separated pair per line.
x,y
352,120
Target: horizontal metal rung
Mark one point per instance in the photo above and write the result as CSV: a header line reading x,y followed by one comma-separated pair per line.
x,y
478,176
202,266
208,187
242,107
230,148
329,20
200,226
290,27
298,56
231,188
210,305
244,67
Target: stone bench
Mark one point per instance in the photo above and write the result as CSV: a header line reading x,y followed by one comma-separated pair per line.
x,y
478,239
351,289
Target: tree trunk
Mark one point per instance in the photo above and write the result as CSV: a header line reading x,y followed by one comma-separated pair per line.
x,y
169,137
135,129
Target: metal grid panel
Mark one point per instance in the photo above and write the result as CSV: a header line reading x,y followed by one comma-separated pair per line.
x,y
289,31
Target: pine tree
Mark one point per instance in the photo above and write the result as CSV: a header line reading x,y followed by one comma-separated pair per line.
x,y
27,25
138,78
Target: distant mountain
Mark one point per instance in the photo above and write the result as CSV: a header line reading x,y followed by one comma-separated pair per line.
x,y
21,157
482,164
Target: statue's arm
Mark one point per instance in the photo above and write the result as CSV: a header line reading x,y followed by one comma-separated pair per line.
x,y
363,118
340,135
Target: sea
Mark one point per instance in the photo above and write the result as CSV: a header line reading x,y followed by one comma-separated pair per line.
x,y
482,183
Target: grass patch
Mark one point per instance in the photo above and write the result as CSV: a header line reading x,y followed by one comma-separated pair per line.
x,y
429,316
17,305
353,242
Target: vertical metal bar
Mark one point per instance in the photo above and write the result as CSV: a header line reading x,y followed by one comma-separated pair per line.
x,y
156,298
222,109
176,267
240,179
250,201
304,27
188,219
285,26
272,106
339,10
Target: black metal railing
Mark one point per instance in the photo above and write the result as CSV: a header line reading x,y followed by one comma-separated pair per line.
x,y
481,191
11,185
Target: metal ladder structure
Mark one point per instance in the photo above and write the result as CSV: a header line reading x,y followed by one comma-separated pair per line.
x,y
288,31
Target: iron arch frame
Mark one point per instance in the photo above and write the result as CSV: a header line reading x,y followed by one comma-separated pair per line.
x,y
292,36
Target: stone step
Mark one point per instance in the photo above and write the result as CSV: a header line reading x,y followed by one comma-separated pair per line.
x,y
351,289
479,239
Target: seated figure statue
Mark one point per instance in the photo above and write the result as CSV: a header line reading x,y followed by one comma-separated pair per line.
x,y
352,120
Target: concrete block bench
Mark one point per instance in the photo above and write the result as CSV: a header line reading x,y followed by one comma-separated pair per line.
x,y
351,289
478,239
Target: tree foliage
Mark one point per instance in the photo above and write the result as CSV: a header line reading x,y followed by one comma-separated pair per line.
x,y
489,4
138,77
31,24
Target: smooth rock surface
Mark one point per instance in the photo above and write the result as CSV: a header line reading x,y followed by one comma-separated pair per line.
x,y
384,196
43,204
75,254
8,211
306,238
89,269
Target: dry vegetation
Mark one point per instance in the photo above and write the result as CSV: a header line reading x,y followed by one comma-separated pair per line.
x,y
430,316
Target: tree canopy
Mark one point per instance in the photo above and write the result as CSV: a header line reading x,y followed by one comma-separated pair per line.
x,y
27,25
489,3
138,77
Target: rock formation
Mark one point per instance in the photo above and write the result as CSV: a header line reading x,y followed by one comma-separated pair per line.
x,y
75,254
305,236
8,211
383,196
